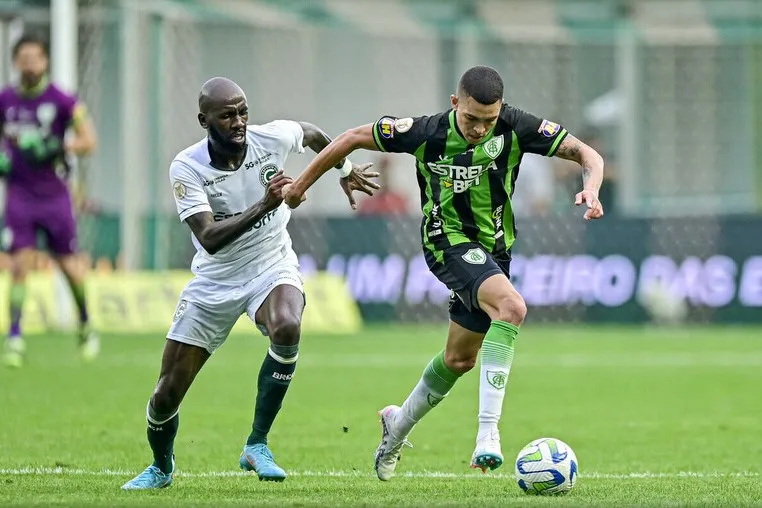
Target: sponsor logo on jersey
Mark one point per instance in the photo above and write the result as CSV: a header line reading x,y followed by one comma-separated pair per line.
x,y
494,146
266,173
386,127
218,216
216,195
265,219
403,125
497,216
218,179
548,129
249,165
461,178
179,190
264,158
475,257
435,222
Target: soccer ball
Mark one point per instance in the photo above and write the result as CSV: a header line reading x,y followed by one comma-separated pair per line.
x,y
662,305
546,466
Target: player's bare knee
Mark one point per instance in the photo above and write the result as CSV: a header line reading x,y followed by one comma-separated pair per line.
x,y
162,402
459,362
512,309
286,331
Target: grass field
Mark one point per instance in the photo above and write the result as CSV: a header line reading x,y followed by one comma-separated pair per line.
x,y
655,417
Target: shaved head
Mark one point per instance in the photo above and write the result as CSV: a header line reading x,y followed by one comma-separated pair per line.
x,y
224,113
218,92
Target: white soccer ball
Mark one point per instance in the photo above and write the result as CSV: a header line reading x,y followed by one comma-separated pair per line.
x,y
662,305
546,466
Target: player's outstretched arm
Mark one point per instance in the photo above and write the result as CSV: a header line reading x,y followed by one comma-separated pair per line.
x,y
591,162
316,140
85,139
331,156
214,235
354,177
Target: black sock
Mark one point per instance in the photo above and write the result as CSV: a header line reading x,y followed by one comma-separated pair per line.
x,y
161,437
274,379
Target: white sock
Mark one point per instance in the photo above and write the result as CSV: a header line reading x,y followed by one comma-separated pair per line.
x,y
434,385
496,360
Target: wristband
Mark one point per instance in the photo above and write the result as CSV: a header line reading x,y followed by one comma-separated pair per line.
x,y
345,169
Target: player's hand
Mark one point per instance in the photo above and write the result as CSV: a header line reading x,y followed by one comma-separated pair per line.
x,y
292,196
594,207
274,193
358,180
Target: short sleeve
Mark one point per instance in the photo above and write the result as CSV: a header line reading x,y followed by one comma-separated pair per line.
x,y
535,134
78,113
188,190
70,108
291,134
400,135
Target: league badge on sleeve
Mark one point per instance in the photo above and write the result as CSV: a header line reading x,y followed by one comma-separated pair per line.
x,y
386,127
403,125
179,189
548,129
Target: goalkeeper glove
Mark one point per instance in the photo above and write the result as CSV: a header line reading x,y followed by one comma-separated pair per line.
x,y
5,164
39,150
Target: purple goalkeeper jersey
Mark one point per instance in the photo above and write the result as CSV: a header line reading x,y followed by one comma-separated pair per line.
x,y
49,111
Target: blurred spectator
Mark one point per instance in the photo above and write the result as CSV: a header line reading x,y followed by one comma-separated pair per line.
x,y
385,201
533,194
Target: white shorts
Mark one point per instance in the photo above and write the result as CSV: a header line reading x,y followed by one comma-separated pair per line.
x,y
207,310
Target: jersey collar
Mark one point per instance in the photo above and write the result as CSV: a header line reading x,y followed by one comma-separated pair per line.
x,y
454,126
37,89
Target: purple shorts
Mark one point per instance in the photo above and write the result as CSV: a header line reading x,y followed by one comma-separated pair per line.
x,y
26,216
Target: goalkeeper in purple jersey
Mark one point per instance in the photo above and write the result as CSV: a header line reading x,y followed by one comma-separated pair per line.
x,y
35,116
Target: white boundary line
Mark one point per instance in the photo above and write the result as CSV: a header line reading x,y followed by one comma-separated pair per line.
x,y
51,471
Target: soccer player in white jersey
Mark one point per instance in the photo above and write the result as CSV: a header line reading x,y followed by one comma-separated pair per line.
x,y
228,188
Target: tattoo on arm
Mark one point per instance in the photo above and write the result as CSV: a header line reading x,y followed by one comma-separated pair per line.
x,y
586,172
569,148
591,162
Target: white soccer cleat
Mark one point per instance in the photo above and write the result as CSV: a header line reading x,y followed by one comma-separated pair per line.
x,y
388,452
89,345
487,454
13,354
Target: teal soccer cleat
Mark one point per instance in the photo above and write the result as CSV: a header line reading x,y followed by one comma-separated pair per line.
x,y
259,458
151,478
487,455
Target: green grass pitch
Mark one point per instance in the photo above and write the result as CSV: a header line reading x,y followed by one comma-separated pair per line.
x,y
655,416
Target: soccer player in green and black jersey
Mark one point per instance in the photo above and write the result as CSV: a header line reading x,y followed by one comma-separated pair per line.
x,y
467,162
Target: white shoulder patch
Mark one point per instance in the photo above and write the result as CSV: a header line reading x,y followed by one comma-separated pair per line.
x,y
403,125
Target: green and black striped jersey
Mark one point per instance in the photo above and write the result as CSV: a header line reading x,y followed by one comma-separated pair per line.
x,y
466,189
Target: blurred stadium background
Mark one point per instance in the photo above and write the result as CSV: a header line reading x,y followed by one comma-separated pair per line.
x,y
665,89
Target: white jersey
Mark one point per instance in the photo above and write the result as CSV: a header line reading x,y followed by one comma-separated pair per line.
x,y
198,187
